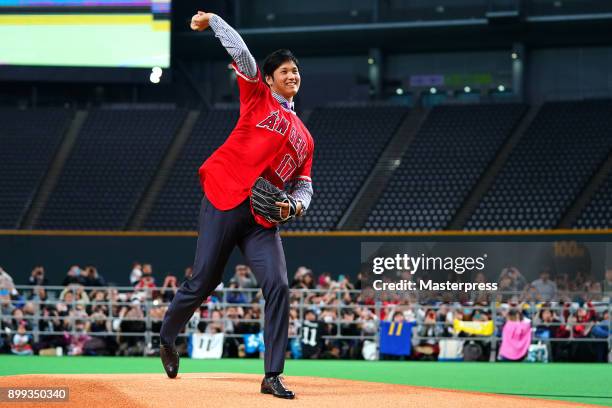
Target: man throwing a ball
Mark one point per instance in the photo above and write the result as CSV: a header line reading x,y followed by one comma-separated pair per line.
x,y
258,179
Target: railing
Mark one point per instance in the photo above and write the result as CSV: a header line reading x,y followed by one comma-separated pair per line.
x,y
118,301
143,298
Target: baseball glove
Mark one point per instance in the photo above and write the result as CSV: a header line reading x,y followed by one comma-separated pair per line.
x,y
265,195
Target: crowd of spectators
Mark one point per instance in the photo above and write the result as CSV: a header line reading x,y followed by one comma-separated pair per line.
x,y
330,317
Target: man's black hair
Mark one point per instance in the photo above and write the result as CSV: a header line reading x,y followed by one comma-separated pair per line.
x,y
276,59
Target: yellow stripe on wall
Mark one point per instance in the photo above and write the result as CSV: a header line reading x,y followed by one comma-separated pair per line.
x,y
80,19
161,25
361,234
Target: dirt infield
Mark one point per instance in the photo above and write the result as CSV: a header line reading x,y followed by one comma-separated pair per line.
x,y
193,390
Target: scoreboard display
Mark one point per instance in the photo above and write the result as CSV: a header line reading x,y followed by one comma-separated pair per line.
x,y
85,33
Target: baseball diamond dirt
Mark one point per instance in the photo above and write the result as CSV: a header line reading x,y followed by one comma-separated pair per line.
x,y
240,390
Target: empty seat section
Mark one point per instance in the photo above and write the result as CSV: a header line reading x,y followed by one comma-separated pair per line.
x,y
112,162
447,158
598,212
555,158
29,140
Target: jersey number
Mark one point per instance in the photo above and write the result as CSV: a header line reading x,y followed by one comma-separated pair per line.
x,y
309,336
392,328
208,343
286,168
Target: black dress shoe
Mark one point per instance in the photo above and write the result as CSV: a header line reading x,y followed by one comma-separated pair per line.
x,y
170,360
274,385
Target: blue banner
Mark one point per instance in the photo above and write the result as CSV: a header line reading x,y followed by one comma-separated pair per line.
x,y
395,338
253,343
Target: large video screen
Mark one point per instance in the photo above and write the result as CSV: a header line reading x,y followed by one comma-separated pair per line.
x,y
85,33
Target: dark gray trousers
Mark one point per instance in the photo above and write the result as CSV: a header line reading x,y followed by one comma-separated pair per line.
x,y
219,233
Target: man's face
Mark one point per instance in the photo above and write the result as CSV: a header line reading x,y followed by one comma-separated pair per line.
x,y
609,275
285,80
147,269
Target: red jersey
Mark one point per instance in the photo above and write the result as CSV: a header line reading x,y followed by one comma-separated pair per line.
x,y
269,140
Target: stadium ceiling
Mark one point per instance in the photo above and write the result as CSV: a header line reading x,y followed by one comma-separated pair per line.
x,y
403,37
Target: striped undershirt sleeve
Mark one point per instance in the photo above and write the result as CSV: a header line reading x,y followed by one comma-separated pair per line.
x,y
235,46
302,190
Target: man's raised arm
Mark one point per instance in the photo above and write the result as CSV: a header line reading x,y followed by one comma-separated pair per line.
x,y
230,39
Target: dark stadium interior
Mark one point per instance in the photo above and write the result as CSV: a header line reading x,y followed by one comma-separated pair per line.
x,y
111,163
492,116
478,122
22,141
562,149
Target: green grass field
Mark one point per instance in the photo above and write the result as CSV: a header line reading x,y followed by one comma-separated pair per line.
x,y
586,383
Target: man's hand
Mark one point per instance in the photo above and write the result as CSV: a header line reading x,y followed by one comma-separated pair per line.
x,y
273,204
199,22
285,209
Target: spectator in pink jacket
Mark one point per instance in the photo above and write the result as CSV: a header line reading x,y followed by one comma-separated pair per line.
x,y
516,337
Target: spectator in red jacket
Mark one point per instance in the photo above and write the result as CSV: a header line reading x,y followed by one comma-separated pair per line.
x,y
581,321
21,343
548,325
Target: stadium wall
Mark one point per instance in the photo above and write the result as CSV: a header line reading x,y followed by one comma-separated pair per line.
x,y
549,76
337,253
